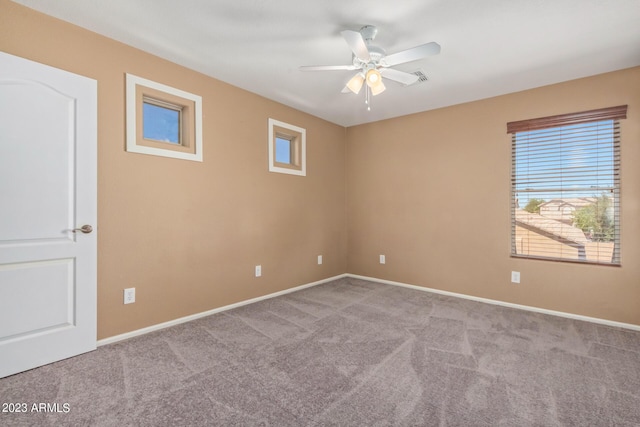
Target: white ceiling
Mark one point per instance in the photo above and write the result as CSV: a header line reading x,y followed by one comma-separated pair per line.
x,y
489,47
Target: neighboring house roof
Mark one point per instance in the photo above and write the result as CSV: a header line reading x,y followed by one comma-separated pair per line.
x,y
576,202
555,229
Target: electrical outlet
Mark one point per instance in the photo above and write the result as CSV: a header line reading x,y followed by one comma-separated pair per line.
x,y
319,259
258,270
515,277
130,295
382,259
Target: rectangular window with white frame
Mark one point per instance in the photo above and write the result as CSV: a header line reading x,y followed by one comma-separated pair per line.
x,y
162,120
565,187
287,148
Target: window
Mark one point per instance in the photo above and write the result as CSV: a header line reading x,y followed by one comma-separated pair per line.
x,y
287,148
283,150
162,120
565,187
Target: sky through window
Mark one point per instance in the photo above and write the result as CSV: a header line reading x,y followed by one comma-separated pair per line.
x,y
161,123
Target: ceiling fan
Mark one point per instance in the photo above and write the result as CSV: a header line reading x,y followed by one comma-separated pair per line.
x,y
373,64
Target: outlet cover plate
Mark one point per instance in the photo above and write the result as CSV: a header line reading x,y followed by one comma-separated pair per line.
x,y
515,277
130,295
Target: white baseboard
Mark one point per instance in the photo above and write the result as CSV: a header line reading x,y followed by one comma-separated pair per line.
x,y
502,303
185,319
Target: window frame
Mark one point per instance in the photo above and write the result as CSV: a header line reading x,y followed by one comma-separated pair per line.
x,y
297,137
140,91
583,119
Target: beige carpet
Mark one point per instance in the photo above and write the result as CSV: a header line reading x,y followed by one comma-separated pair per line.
x,y
348,353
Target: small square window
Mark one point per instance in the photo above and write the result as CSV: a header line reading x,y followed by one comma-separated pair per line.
x,y
163,121
287,148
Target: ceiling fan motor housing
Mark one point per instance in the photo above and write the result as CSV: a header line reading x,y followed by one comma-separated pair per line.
x,y
376,53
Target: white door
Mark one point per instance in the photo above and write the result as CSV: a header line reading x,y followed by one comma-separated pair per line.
x,y
48,145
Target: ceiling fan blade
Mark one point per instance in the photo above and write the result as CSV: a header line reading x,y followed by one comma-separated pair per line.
x,y
412,54
327,67
357,45
399,76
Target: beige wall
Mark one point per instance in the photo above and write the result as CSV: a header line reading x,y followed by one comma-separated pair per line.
x,y
431,192
187,235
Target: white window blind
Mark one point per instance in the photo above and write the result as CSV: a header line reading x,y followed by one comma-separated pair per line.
x,y
565,187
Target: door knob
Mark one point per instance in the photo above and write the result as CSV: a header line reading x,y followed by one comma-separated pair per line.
x,y
86,229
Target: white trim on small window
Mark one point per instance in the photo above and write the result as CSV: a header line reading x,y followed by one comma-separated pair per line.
x,y
297,137
140,91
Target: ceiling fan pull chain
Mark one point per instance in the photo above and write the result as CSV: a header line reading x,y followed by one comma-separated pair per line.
x,y
367,99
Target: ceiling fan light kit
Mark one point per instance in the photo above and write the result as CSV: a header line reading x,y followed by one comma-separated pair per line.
x,y
374,64
356,82
378,89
